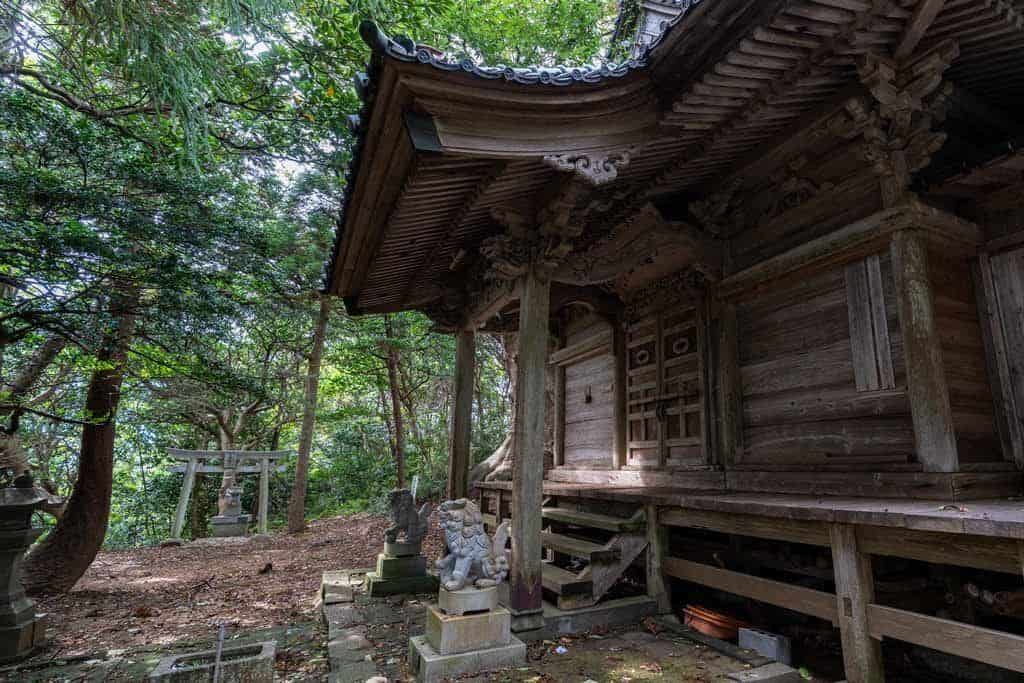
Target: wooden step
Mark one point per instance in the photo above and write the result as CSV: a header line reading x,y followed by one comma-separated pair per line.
x,y
564,582
577,547
595,521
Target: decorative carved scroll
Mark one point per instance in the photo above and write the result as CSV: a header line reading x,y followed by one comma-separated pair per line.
x,y
597,168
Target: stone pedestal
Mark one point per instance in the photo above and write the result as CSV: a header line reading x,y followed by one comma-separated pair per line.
x,y
21,629
230,525
466,632
400,569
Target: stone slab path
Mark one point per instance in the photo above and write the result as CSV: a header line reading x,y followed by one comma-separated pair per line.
x,y
369,637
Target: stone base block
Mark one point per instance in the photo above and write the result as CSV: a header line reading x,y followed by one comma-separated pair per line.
x,y
770,645
400,549
450,634
221,527
377,586
400,567
18,642
432,667
527,620
248,663
467,600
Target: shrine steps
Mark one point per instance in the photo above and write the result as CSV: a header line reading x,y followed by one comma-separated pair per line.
x,y
606,545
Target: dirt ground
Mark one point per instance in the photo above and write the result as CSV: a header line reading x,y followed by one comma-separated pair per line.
x,y
133,607
159,596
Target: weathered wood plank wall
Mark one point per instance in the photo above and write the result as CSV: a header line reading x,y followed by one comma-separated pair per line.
x,y
801,403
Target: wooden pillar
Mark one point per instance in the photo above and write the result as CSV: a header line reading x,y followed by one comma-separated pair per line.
x,y
730,388
862,654
657,548
621,424
926,374
191,467
264,494
528,451
462,415
559,421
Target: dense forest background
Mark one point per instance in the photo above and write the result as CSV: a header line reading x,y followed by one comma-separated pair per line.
x,y
170,183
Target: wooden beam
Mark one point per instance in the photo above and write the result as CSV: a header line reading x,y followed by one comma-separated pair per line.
x,y
528,452
926,374
855,590
757,526
264,495
803,600
1000,649
462,415
186,493
657,548
980,552
924,15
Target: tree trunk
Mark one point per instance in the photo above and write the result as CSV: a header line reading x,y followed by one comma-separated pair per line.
x,y
398,443
297,503
62,557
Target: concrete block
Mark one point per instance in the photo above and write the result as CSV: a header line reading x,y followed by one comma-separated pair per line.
x,y
21,640
608,613
770,645
377,586
238,664
433,667
223,526
400,567
467,600
775,672
399,549
450,634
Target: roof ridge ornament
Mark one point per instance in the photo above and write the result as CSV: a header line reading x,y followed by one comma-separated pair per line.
x,y
597,168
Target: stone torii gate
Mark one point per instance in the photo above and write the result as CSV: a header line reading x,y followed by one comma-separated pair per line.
x,y
231,464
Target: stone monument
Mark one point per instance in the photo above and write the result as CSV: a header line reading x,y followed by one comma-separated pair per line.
x,y
467,631
21,629
401,568
229,520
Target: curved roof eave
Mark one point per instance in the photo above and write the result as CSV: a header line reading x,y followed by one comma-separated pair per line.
x,y
404,50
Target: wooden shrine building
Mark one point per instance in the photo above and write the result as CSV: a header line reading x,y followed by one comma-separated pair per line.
x,y
775,266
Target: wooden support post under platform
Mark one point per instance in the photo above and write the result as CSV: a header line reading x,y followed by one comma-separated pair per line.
x,y
657,548
191,467
855,591
528,450
462,415
926,374
264,495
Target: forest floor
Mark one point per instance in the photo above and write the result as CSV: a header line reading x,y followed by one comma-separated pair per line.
x,y
135,606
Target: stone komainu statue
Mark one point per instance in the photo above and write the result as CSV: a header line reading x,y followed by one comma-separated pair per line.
x,y
473,559
405,519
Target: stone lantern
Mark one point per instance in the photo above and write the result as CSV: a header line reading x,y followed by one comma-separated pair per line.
x,y
21,629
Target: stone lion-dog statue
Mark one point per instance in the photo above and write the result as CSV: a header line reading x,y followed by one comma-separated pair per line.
x,y
473,559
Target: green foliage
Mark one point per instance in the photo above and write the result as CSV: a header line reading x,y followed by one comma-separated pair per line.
x,y
193,153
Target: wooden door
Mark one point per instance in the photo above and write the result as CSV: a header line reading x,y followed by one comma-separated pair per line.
x,y
665,401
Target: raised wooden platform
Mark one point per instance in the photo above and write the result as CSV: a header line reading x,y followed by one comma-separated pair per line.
x,y
998,517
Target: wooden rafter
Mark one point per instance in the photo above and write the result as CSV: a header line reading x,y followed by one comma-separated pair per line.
x,y
472,199
924,15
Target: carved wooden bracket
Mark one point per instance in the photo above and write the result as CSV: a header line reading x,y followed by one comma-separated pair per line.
x,y
596,168
909,99
639,242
